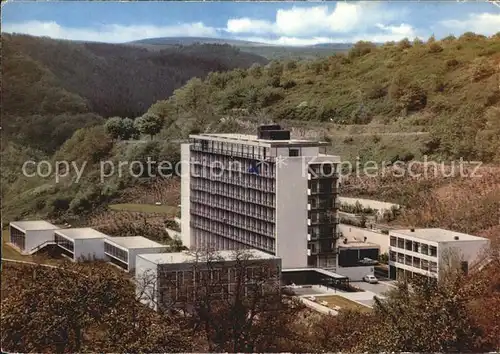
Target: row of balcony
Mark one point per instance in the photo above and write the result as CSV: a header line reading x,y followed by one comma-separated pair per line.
x,y
322,205
324,220
316,177
231,153
316,249
315,191
233,209
316,236
231,236
229,221
240,197
267,172
269,188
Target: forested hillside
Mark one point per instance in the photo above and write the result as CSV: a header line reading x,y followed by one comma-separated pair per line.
x,y
451,88
384,103
54,87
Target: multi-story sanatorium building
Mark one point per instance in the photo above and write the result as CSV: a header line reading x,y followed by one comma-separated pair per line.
x,y
267,192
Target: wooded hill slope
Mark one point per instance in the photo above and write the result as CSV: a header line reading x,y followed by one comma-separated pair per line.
x,y
451,87
54,84
448,88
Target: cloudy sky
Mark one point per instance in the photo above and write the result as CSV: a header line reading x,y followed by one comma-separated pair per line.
x,y
299,23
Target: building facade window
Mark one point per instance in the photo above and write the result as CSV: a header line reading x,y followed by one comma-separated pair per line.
x,y
116,252
18,238
64,242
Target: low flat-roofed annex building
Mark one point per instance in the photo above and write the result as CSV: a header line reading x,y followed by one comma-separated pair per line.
x,y
168,280
79,244
29,235
122,251
357,259
428,251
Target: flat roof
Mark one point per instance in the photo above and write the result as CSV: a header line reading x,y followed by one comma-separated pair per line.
x,y
357,244
436,235
318,270
254,140
186,257
131,242
81,233
34,225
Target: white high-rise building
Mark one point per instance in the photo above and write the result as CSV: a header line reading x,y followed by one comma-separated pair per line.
x,y
267,192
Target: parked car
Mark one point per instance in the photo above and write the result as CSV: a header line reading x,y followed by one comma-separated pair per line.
x,y
370,279
368,261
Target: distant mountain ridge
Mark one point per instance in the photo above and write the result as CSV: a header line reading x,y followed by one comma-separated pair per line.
x,y
269,51
233,42
194,40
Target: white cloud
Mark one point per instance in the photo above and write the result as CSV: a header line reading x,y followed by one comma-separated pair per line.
x,y
297,41
483,23
251,30
292,41
299,21
247,25
403,30
110,33
315,21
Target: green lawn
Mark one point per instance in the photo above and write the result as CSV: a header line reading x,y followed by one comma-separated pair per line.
x,y
342,302
145,208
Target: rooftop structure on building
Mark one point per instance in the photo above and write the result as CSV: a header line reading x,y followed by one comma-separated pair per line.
x,y
265,191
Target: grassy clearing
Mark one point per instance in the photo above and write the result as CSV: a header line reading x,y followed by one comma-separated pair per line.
x,y
145,208
343,303
378,148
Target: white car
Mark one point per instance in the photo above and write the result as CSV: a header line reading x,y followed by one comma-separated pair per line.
x,y
370,279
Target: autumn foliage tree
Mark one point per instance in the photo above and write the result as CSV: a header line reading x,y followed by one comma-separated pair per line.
x,y
80,308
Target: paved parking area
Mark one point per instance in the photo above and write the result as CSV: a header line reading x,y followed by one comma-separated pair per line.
x,y
380,289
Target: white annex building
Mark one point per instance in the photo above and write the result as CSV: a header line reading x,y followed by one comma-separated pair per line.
x,y
267,192
427,251
81,243
170,279
27,236
123,251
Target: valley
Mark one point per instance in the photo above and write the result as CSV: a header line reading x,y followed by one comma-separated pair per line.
x,y
441,107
